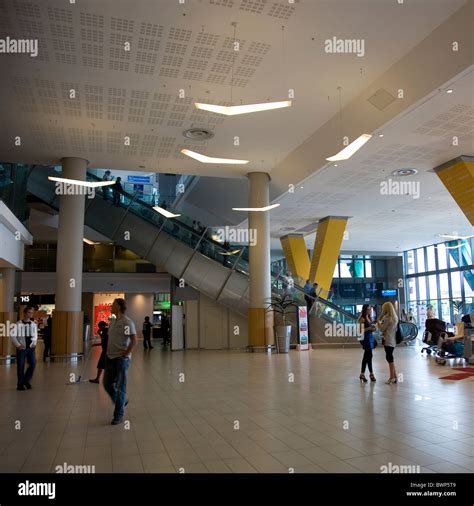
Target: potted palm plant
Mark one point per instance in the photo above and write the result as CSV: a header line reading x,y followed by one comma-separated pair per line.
x,y
283,305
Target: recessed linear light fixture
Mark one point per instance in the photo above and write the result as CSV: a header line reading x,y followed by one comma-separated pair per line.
x,y
348,151
91,243
164,212
235,110
251,209
88,184
210,159
449,91
456,237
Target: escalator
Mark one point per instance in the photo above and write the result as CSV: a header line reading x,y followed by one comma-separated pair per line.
x,y
192,256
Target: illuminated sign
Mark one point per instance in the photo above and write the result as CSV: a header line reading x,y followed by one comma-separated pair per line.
x,y
138,179
36,300
163,304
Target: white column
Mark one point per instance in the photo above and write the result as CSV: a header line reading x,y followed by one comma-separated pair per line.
x,y
70,240
259,254
7,289
259,259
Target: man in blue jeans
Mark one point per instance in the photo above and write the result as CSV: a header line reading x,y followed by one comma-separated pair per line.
x,y
25,342
122,341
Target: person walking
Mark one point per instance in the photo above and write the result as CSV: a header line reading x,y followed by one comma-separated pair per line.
x,y
105,189
47,334
147,326
388,323
202,232
403,316
411,316
368,342
225,255
103,333
288,283
117,191
308,294
155,197
122,342
315,294
25,343
165,330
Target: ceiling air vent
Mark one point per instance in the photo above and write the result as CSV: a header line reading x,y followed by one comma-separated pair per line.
x,y
404,172
381,99
198,134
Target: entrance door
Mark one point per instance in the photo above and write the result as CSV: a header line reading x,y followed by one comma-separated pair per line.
x,y
177,341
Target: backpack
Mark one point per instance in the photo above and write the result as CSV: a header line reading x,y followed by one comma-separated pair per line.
x,y
399,335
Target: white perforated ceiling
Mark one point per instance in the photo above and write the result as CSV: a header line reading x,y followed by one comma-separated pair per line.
x,y
381,222
180,53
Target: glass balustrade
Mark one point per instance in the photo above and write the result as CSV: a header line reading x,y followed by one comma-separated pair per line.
x,y
182,228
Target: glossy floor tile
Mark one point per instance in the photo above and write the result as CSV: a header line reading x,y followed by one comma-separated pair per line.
x,y
237,412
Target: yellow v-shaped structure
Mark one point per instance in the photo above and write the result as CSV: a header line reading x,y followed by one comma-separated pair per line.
x,y
320,268
458,177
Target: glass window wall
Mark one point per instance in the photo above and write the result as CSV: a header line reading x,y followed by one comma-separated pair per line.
x,y
439,275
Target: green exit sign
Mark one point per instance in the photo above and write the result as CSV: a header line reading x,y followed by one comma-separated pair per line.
x,y
164,304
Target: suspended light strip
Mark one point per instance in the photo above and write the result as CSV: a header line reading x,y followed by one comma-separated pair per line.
x,y
251,209
87,184
234,110
88,241
209,159
165,213
460,245
348,151
456,237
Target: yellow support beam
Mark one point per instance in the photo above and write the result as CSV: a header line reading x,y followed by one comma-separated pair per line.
x,y
457,175
327,245
296,255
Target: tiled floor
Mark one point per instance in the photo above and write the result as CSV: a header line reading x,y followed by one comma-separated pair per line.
x,y
236,412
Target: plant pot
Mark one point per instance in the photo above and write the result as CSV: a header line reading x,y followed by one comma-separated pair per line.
x,y
283,334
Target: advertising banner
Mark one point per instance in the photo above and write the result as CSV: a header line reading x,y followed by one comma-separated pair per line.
x,y
102,312
303,331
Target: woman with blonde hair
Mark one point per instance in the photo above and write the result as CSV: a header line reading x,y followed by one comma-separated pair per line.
x,y
388,324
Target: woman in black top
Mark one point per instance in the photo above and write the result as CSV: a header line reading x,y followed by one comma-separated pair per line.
x,y
368,343
104,338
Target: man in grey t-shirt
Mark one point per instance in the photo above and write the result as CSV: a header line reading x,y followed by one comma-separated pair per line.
x,y
122,341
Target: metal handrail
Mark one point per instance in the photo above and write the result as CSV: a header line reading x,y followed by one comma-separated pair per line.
x,y
229,274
